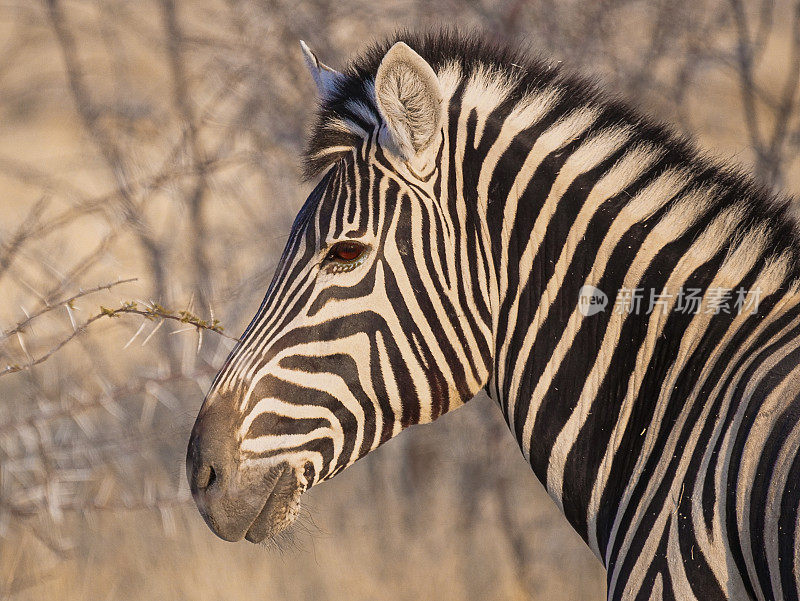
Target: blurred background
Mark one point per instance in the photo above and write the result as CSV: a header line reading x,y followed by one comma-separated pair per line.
x,y
160,140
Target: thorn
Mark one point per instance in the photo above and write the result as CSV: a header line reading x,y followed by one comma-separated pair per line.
x,y
71,318
41,296
28,315
24,348
155,329
186,329
139,331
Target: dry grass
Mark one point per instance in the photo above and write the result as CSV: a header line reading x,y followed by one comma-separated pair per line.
x,y
356,540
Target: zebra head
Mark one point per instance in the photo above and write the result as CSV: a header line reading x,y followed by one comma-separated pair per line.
x,y
377,317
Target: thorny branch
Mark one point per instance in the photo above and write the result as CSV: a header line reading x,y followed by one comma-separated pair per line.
x,y
155,311
68,302
151,311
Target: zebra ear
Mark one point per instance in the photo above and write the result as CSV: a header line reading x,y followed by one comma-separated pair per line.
x,y
325,77
409,99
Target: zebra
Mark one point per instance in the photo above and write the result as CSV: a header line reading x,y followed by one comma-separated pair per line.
x,y
479,215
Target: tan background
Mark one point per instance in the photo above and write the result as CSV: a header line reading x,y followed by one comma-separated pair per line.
x,y
161,140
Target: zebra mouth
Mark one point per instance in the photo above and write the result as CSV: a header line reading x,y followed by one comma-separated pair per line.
x,y
280,508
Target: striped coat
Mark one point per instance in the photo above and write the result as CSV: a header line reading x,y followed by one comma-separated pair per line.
x,y
484,220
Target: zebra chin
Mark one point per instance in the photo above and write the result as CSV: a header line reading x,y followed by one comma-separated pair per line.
x,y
280,508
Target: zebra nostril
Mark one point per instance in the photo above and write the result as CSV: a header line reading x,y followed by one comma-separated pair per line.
x,y
204,477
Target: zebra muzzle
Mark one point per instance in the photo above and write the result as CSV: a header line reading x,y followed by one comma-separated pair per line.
x,y
253,504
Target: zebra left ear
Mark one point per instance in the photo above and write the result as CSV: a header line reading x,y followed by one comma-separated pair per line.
x,y
323,75
409,99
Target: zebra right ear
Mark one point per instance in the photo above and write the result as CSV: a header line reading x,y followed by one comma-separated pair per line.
x,y
409,99
325,77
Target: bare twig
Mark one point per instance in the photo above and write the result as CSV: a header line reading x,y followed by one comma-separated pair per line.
x,y
197,195
744,56
110,152
787,103
9,249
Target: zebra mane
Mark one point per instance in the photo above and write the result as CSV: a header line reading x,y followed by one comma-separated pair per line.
x,y
349,114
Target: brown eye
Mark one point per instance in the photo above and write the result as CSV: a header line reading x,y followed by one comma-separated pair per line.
x,y
345,252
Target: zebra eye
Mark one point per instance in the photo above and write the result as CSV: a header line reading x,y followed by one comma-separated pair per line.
x,y
346,252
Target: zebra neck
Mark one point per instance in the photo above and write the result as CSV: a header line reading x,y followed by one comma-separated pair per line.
x,y
585,394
